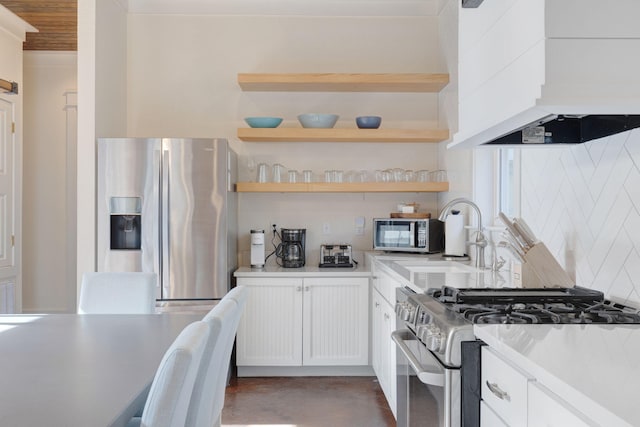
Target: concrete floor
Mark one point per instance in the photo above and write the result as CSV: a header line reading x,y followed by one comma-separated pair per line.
x,y
306,402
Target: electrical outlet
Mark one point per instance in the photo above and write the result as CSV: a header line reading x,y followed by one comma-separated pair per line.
x,y
326,228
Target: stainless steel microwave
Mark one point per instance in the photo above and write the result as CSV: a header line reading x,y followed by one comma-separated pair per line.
x,y
408,235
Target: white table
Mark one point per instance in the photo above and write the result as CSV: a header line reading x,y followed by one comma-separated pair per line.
x,y
67,370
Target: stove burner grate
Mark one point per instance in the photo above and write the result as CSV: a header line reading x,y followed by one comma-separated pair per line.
x,y
579,312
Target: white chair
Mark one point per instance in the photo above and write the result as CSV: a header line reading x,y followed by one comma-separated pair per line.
x,y
207,400
170,393
117,293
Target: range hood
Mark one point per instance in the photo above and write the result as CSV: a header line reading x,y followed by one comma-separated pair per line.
x,y
569,129
570,74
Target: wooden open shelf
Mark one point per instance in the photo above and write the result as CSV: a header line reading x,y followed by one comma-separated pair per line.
x,y
341,135
347,187
343,82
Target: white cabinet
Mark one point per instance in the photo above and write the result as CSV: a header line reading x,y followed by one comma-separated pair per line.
x,y
489,418
504,388
383,323
298,321
383,349
512,397
547,409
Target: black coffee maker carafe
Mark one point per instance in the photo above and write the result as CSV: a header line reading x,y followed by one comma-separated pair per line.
x,y
291,248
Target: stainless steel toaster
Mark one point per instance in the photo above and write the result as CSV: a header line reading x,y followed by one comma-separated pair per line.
x,y
339,255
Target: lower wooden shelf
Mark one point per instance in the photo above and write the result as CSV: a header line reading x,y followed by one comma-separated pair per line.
x,y
346,187
341,135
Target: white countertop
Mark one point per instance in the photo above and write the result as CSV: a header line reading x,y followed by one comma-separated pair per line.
x,y
462,275
306,271
595,368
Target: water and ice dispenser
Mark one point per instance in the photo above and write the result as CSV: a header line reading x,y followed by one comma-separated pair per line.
x,y
126,225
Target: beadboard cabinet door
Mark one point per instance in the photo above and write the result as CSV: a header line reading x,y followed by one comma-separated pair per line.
x,y
270,331
336,321
304,322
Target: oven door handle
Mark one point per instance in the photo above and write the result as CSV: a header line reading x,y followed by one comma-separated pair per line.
x,y
431,377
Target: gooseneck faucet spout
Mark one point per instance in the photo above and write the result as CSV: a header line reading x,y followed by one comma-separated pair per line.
x,y
481,241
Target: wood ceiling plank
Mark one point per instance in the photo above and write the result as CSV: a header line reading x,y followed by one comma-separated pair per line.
x,y
56,21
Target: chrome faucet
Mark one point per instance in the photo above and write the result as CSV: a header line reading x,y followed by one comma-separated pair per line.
x,y
481,241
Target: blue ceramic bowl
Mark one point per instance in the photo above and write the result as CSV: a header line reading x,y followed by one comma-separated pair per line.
x,y
368,122
318,120
263,122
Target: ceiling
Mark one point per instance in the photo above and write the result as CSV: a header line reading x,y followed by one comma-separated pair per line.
x,y
56,21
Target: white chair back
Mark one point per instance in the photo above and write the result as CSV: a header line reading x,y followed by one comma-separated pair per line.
x,y
207,400
117,293
172,387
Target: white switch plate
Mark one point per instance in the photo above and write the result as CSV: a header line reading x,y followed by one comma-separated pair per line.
x,y
326,228
359,224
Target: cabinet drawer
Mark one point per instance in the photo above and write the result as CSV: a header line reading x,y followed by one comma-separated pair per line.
x,y
488,418
504,388
386,285
547,409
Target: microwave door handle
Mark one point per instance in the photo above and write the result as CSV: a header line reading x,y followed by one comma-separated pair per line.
x,y
431,377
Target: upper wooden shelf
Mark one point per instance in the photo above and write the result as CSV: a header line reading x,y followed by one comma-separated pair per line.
x,y
341,82
345,187
341,135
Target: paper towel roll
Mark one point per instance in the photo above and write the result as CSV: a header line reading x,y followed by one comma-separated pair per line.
x,y
454,239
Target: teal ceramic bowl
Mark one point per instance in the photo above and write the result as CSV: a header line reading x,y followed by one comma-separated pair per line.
x,y
324,121
263,122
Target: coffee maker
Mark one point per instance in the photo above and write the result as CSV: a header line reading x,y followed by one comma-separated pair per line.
x,y
291,248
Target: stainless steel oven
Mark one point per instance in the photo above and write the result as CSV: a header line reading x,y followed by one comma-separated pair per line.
x,y
428,371
428,392
438,364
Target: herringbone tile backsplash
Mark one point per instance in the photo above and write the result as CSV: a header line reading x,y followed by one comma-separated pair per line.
x,y
583,201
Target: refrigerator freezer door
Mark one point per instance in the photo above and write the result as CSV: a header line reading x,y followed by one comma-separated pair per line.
x,y
128,208
194,219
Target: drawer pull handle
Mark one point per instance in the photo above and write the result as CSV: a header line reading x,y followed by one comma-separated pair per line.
x,y
502,395
298,288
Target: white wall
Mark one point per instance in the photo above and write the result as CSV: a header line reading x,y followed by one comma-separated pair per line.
x,y
584,203
101,105
182,82
47,76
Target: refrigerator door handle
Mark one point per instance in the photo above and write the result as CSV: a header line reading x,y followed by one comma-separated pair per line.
x,y
165,221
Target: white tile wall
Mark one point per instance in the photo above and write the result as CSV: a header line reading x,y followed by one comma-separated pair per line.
x,y
583,201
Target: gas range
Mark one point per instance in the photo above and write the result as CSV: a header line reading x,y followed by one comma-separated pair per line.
x,y
444,317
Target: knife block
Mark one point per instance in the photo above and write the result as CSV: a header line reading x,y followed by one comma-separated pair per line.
x,y
541,270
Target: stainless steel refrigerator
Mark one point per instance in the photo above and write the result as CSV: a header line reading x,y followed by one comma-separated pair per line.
x,y
168,205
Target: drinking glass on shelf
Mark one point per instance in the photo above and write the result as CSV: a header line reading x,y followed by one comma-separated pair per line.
x,y
293,175
307,175
362,176
408,176
328,176
278,172
263,172
337,175
422,175
397,174
438,176
350,176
